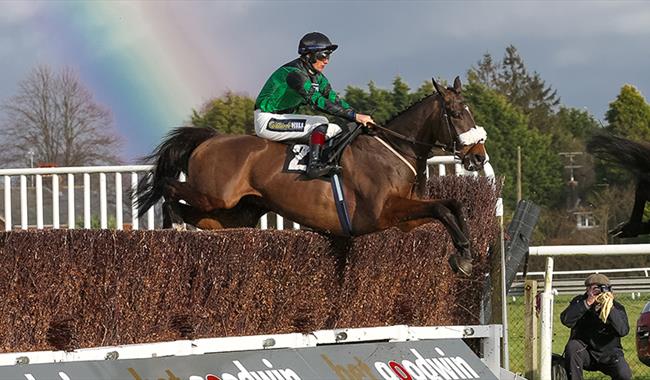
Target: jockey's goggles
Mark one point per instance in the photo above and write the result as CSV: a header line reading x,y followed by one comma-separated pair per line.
x,y
323,54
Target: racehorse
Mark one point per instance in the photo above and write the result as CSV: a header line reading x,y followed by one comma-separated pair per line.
x,y
232,180
635,157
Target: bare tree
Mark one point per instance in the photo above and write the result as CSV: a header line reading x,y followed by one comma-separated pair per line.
x,y
54,118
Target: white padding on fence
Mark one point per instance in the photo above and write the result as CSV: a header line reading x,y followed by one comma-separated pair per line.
x,y
570,250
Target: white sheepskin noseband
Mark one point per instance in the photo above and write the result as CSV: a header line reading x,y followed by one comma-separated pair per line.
x,y
475,135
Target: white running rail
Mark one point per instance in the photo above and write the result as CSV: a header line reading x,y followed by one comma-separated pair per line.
x,y
55,175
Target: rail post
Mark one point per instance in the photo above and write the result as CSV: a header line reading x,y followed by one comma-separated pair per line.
x,y
546,349
531,341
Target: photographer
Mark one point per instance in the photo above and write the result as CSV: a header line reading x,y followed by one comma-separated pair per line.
x,y
597,323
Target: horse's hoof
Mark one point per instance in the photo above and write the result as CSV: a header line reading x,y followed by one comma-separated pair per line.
x,y
179,226
625,230
460,264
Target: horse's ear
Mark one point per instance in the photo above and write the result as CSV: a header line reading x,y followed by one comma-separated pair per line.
x,y
457,85
437,87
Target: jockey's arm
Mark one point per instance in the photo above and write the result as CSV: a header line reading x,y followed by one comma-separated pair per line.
x,y
326,90
329,104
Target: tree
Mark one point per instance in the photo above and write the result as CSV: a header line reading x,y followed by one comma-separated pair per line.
x,y
358,99
383,104
629,115
230,113
56,118
570,128
423,91
572,124
524,90
486,73
401,98
506,128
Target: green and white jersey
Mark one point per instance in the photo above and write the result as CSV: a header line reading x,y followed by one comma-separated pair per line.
x,y
292,85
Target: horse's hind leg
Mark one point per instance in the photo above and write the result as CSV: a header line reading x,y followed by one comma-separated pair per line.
x,y
170,214
245,214
206,213
176,213
175,191
197,218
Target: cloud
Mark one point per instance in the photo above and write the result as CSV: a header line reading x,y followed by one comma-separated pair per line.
x,y
16,12
571,56
632,23
535,19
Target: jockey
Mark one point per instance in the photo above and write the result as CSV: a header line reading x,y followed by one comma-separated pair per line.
x,y
299,82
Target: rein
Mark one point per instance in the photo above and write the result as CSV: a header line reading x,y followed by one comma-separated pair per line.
x,y
451,147
453,137
452,132
404,138
384,143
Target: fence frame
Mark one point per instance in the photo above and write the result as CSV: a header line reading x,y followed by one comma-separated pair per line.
x,y
490,336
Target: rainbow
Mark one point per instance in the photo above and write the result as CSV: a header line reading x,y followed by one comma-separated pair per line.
x,y
139,59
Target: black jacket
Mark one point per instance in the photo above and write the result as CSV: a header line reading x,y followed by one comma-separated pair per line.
x,y
603,340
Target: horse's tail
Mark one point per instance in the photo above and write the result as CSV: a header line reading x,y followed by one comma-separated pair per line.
x,y
631,155
169,159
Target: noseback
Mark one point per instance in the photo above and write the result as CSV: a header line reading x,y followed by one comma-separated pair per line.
x,y
475,158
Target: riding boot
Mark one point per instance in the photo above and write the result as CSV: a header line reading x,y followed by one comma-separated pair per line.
x,y
316,168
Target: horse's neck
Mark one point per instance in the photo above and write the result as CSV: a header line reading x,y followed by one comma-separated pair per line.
x,y
416,123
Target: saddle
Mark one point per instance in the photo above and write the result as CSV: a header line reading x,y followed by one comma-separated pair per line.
x,y
298,153
296,161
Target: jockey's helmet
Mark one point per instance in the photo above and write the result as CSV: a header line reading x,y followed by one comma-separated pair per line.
x,y
315,42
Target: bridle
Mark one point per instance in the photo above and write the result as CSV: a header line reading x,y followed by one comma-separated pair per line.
x,y
453,136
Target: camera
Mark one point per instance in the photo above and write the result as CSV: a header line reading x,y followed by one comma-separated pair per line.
x,y
605,288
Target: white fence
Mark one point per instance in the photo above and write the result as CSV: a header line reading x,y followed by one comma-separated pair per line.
x,y
34,206
546,335
54,177
627,280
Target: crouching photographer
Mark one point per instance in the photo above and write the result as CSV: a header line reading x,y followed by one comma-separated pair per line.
x,y
597,323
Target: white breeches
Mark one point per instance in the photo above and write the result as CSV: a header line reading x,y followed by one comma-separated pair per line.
x,y
281,127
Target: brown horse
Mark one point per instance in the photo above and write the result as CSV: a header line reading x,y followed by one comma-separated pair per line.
x,y
635,157
232,180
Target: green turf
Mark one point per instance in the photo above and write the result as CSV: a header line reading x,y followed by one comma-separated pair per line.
x,y
561,333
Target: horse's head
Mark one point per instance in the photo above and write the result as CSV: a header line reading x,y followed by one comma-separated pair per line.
x,y
464,138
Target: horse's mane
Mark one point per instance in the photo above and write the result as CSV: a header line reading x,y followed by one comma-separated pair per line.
x,y
410,107
631,155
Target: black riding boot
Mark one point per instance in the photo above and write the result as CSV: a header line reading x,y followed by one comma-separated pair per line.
x,y
315,167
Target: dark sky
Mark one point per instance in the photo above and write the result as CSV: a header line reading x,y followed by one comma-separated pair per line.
x,y
150,62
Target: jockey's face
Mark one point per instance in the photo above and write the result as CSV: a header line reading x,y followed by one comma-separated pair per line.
x,y
321,61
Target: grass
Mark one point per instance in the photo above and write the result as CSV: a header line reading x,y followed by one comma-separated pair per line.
x,y
561,333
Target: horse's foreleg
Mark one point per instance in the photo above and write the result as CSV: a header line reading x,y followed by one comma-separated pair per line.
x,y
635,225
408,213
